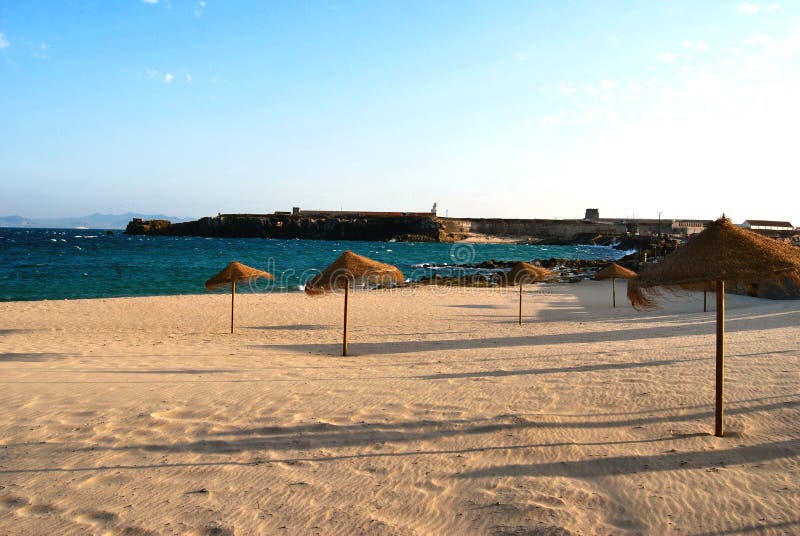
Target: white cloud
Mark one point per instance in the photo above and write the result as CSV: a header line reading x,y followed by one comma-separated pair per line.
x,y
747,7
607,84
667,57
151,2
188,79
779,47
773,7
167,78
3,41
697,46
567,89
545,88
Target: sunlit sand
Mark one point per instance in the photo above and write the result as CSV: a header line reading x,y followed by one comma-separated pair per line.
x,y
146,415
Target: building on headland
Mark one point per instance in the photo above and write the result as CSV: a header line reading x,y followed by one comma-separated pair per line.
x,y
297,211
688,227
773,228
650,226
428,226
768,225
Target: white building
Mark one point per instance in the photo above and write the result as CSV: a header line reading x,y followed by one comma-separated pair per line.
x,y
767,225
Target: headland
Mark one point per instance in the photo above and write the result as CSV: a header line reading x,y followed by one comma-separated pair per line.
x,y
415,227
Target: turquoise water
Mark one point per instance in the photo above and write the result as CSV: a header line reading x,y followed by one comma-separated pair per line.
x,y
37,264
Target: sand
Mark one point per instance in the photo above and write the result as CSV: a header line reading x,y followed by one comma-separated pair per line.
x,y
481,238
145,416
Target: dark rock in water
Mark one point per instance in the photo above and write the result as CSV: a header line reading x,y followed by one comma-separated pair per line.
x,y
465,280
109,233
138,226
494,265
288,226
413,238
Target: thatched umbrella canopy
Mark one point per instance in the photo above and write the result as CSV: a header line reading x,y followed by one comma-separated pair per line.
x,y
527,273
352,269
721,253
235,271
613,272
348,270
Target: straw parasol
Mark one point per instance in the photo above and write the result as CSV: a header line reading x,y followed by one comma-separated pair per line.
x,y
526,273
235,271
352,269
722,253
613,272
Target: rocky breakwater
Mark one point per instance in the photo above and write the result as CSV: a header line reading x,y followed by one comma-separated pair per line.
x,y
289,226
493,273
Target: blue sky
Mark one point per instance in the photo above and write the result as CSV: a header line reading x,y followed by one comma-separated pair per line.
x,y
491,108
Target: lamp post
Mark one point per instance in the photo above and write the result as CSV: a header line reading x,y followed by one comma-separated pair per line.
x,y
659,224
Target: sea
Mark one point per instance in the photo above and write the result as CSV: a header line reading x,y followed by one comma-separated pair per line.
x,y
56,264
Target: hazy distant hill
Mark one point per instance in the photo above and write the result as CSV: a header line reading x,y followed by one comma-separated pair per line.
x,y
93,221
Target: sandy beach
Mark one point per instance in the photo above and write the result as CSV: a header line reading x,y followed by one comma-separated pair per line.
x,y
145,416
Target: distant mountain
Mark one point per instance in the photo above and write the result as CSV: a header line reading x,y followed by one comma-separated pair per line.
x,y
93,221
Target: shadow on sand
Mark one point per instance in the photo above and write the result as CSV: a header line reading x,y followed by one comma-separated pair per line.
x,y
330,436
32,357
586,337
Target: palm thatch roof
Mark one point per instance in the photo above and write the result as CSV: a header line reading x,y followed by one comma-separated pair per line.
x,y
358,270
525,272
615,271
235,271
722,252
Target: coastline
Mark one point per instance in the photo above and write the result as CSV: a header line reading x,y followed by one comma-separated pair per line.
x,y
145,414
58,264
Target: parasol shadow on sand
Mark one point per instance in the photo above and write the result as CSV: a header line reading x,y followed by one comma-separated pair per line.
x,y
232,273
352,270
613,272
723,253
525,273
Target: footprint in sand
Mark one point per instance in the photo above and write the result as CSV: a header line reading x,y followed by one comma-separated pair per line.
x,y
212,531
136,531
116,479
12,502
94,517
37,510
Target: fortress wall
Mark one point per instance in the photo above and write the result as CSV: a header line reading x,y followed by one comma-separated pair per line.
x,y
559,229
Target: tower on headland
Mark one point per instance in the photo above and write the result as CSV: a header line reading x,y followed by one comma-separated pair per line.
x,y
592,215
433,209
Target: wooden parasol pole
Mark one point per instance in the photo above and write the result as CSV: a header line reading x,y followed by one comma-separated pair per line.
x,y
233,295
520,304
344,335
718,428
613,291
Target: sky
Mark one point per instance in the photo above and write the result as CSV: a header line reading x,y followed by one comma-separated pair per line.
x,y
493,108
